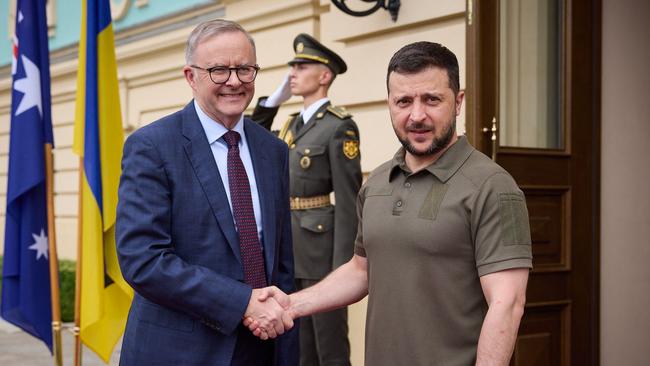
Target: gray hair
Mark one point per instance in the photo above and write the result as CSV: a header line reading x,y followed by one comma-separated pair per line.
x,y
210,29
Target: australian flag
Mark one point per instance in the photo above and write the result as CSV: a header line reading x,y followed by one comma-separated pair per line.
x,y
26,299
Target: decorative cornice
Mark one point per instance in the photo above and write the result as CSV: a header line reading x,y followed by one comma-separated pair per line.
x,y
119,8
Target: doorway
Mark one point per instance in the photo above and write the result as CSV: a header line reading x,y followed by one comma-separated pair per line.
x,y
533,94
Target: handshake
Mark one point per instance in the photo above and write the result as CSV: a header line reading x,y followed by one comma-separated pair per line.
x,y
269,313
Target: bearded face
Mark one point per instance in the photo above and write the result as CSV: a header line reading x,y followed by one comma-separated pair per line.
x,y
437,143
423,110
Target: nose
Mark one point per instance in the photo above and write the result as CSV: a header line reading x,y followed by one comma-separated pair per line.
x,y
418,113
293,71
233,79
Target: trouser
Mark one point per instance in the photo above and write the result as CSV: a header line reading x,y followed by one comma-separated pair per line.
x,y
250,350
324,336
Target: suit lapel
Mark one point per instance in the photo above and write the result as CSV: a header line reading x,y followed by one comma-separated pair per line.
x,y
200,155
264,178
311,123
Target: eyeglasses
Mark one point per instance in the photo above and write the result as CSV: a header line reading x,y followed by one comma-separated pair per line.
x,y
220,74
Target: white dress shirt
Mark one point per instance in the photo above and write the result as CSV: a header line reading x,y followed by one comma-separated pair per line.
x,y
309,112
214,131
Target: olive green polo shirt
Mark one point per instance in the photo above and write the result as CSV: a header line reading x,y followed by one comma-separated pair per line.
x,y
428,237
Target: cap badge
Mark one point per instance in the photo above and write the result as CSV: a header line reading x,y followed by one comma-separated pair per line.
x,y
300,47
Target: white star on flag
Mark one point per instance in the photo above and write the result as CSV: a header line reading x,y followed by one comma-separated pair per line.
x,y
30,86
40,245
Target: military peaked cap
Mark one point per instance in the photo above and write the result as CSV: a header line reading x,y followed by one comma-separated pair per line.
x,y
309,50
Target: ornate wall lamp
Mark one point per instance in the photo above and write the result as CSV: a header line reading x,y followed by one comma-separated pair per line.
x,y
391,5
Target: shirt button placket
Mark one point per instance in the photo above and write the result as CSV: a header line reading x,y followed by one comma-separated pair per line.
x,y
398,207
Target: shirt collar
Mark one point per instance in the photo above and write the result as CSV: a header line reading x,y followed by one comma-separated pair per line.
x,y
309,112
443,168
213,129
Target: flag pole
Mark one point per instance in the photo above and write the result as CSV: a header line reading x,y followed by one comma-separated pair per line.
x,y
77,301
54,258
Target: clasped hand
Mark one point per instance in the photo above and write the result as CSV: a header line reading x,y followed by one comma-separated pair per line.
x,y
268,314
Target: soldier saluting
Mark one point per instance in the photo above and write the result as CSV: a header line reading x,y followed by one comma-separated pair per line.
x,y
323,158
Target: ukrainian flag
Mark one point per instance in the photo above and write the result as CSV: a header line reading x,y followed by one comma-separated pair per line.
x,y
98,140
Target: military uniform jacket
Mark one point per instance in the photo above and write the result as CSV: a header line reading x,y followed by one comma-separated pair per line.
x,y
323,158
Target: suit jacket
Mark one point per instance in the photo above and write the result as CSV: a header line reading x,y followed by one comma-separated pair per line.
x,y
323,158
178,248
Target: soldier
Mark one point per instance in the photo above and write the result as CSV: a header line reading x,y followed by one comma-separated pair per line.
x,y
323,157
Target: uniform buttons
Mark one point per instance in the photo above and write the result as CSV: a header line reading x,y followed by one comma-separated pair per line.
x,y
320,227
293,146
307,151
407,184
398,203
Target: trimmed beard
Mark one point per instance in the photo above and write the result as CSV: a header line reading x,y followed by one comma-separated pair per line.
x,y
437,145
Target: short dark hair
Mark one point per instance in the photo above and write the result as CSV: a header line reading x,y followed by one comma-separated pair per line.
x,y
418,56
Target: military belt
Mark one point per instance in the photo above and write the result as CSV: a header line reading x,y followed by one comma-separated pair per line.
x,y
306,203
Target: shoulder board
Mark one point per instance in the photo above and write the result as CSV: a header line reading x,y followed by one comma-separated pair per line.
x,y
340,112
284,131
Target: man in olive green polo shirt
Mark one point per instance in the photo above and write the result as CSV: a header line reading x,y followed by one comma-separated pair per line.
x,y
443,248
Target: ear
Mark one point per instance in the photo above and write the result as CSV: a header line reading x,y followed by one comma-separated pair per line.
x,y
190,76
326,76
459,101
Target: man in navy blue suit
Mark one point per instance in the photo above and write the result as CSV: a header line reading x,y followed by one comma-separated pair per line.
x,y
204,222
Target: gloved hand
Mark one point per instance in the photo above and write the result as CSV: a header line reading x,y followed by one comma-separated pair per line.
x,y
280,95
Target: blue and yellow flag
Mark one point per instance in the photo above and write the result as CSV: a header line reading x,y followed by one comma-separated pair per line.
x,y
98,139
26,299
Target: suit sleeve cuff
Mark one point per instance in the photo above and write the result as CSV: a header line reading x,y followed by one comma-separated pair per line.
x,y
230,313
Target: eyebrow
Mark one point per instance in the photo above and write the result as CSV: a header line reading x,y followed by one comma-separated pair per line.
x,y
434,94
210,66
425,95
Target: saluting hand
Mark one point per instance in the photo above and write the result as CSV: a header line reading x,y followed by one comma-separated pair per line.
x,y
280,95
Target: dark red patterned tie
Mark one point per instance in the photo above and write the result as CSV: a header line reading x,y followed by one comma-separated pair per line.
x,y
242,206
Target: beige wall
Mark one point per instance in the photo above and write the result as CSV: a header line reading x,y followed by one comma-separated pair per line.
x,y
151,84
366,44
625,205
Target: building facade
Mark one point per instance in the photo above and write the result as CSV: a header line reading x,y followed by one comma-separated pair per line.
x,y
533,67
